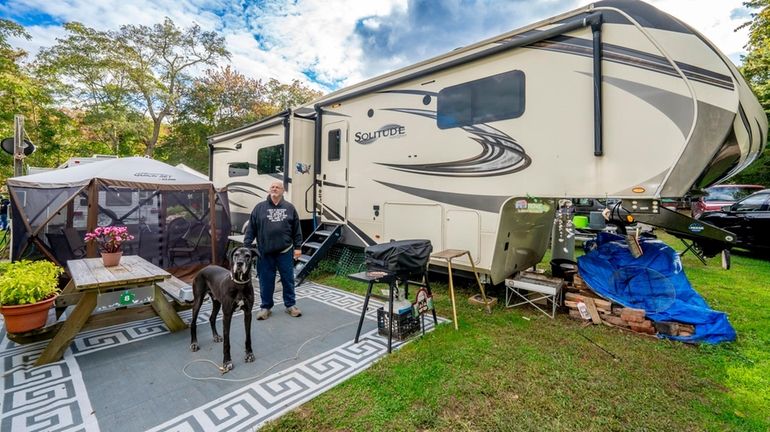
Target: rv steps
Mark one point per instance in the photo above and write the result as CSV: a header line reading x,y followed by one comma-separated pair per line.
x,y
315,248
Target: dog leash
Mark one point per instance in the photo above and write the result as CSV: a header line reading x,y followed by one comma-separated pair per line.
x,y
223,371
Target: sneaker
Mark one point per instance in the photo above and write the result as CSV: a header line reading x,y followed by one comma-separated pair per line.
x,y
263,314
294,311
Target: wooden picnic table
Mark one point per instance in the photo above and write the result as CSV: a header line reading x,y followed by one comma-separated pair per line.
x,y
89,279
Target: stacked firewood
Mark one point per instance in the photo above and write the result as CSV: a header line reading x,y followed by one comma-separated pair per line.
x,y
586,305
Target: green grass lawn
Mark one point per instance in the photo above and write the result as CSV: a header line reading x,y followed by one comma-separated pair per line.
x,y
519,370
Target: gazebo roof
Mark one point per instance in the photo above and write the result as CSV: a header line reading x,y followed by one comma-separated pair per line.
x,y
137,172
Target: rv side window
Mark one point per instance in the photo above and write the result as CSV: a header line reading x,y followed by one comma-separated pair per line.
x,y
494,98
238,169
334,144
118,198
270,160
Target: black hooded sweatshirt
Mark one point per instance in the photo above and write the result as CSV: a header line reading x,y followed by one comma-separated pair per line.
x,y
275,227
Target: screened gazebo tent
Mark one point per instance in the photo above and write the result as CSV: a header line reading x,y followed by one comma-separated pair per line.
x,y
178,220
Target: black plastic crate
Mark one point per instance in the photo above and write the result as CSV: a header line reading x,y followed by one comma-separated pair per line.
x,y
404,325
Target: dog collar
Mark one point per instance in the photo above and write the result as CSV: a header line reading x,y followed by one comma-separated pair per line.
x,y
238,281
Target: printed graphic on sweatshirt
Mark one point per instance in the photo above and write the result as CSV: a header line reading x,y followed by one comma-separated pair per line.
x,y
276,215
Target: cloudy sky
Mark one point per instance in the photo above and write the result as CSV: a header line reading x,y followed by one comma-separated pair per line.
x,y
333,43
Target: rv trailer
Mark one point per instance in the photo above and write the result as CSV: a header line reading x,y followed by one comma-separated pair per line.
x,y
472,148
246,160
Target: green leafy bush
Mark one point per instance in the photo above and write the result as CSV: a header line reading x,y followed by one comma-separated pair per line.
x,y
26,282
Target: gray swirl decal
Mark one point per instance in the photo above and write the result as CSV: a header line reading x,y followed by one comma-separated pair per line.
x,y
500,154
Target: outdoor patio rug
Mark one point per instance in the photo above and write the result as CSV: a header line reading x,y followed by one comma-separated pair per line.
x,y
130,377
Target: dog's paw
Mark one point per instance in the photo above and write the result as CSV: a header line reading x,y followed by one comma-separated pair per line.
x,y
249,357
194,347
227,367
218,338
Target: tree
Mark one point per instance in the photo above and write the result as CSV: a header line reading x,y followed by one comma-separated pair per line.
x,y
221,100
23,93
158,58
83,71
120,78
756,70
756,63
285,96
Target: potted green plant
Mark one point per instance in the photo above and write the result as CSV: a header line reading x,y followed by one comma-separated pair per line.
x,y
27,291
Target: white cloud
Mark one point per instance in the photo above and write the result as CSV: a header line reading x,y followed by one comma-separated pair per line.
x,y
340,42
318,36
713,18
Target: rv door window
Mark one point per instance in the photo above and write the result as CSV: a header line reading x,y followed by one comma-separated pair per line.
x,y
498,97
238,169
334,144
270,160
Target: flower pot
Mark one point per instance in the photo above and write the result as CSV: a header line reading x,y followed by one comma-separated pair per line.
x,y
111,259
26,317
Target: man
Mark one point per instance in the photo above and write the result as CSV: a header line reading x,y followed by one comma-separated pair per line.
x,y
4,203
274,223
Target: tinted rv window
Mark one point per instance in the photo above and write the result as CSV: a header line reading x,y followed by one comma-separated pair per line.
x,y
118,198
494,98
238,169
270,159
334,145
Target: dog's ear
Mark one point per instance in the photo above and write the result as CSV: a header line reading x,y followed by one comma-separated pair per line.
x,y
255,253
230,256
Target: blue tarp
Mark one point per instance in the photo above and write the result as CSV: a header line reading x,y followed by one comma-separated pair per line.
x,y
654,282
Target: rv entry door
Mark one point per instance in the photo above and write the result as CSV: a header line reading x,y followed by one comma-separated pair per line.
x,y
333,193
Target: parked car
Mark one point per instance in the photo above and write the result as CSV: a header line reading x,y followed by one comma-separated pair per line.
x,y
748,219
719,196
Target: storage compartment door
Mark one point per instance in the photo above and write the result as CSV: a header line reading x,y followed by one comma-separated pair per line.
x,y
462,232
414,221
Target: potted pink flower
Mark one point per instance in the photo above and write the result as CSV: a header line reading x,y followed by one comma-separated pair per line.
x,y
109,239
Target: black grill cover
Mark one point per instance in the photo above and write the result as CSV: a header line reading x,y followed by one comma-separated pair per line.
x,y
401,257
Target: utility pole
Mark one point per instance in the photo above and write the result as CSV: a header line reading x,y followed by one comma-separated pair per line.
x,y
18,145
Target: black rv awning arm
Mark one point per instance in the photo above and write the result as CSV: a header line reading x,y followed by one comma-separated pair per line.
x,y
286,149
316,162
596,28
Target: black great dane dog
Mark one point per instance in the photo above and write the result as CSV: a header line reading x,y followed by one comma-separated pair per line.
x,y
228,290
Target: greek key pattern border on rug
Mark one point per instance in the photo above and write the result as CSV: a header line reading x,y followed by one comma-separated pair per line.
x,y
257,403
54,397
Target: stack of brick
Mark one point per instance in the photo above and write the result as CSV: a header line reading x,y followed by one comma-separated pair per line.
x,y
585,305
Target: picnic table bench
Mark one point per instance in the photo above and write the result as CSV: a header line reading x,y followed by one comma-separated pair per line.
x,y
90,279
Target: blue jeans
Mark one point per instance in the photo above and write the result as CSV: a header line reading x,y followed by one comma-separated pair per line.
x,y
266,267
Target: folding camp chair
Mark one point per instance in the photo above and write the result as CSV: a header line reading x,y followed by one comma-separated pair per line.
x,y
75,242
192,243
